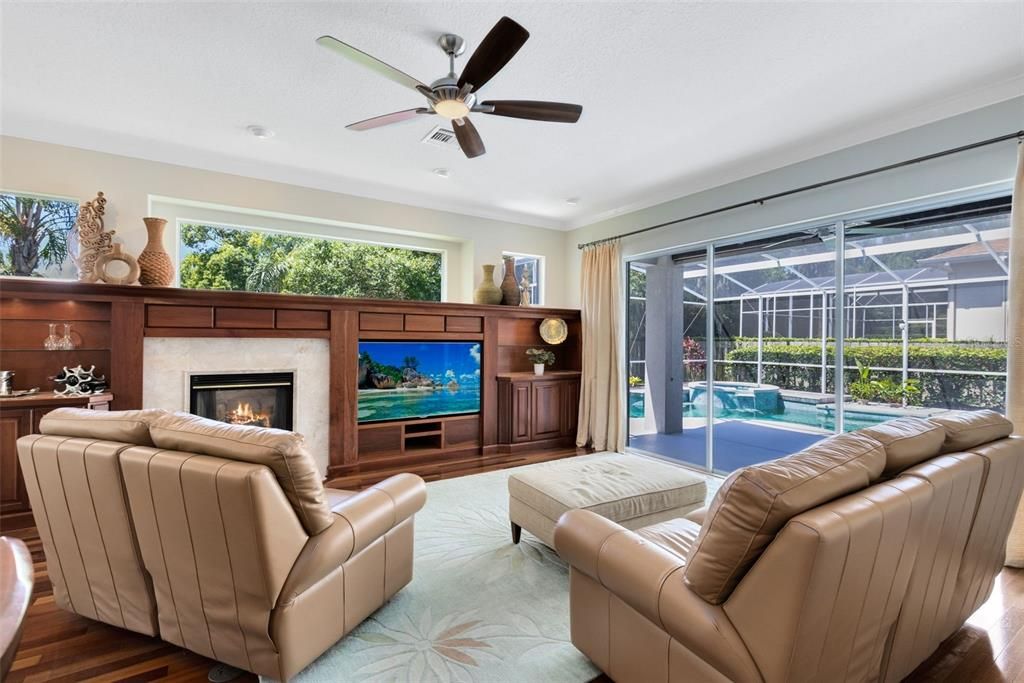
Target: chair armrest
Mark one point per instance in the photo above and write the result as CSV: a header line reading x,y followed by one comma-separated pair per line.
x,y
697,516
624,562
359,520
373,512
649,579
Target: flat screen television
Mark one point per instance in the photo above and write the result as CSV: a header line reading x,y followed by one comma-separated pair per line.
x,y
407,380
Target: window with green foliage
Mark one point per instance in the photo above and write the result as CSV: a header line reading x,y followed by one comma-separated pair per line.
x,y
238,259
36,235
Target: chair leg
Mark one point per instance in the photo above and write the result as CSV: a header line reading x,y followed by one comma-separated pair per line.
x,y
516,532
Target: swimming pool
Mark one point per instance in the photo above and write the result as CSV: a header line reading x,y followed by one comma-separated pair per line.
x,y
794,413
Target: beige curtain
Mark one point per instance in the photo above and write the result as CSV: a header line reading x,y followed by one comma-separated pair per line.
x,y
1015,341
602,392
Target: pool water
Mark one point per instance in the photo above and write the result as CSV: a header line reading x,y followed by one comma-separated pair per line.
x,y
794,413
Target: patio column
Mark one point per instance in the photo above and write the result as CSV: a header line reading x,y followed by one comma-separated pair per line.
x,y
760,340
664,344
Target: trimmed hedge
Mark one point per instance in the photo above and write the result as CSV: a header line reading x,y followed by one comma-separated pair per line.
x,y
937,390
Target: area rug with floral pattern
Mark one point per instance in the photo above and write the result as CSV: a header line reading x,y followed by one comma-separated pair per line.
x,y
478,609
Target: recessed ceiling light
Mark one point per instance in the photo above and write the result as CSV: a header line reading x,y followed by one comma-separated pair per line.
x,y
572,201
260,132
442,172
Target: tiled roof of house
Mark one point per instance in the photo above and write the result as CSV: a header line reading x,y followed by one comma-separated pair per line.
x,y
971,250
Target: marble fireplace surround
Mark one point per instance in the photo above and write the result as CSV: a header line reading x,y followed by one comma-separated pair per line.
x,y
169,361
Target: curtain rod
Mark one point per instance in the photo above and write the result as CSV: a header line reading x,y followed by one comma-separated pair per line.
x,y
853,176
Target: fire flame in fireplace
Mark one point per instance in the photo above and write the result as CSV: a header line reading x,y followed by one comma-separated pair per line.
x,y
245,415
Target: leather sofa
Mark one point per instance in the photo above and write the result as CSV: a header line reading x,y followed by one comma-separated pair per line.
x,y
849,561
218,538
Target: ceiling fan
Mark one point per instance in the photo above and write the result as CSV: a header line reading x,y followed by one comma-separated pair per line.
x,y
455,98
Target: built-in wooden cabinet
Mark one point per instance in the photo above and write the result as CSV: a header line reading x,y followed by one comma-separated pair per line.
x,y
20,417
111,323
537,411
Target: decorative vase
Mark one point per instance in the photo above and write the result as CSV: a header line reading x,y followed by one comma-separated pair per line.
x,y
53,340
130,271
538,368
510,294
487,292
67,343
155,265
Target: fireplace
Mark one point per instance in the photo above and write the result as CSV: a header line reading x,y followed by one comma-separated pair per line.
x,y
257,399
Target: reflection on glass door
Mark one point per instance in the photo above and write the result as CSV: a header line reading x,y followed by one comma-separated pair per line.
x,y
917,299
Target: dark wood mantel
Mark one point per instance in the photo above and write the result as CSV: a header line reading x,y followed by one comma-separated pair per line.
x,y
110,323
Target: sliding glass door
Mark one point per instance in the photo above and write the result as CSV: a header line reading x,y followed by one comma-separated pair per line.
x,y
772,365
733,347
926,312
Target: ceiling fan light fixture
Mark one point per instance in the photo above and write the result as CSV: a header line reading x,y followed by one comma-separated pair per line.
x,y
451,109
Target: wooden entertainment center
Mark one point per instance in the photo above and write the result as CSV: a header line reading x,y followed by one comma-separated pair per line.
x,y
111,322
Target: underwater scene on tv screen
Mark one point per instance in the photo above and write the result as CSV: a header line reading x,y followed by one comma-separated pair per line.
x,y
405,380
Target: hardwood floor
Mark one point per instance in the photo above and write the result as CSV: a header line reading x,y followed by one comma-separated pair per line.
x,y
60,646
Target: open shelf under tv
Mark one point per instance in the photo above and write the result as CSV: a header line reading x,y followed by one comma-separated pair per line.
x,y
419,438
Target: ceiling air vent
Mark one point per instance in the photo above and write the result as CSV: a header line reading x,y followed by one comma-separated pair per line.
x,y
441,137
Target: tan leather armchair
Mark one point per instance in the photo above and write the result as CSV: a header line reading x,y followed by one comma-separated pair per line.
x,y
850,561
244,556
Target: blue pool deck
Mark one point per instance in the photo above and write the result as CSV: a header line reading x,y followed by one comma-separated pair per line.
x,y
737,444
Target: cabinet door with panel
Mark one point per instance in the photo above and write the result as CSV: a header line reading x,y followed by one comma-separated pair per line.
x,y
13,424
547,410
522,400
570,408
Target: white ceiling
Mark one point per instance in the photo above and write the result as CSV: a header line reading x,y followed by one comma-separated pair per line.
x,y
677,96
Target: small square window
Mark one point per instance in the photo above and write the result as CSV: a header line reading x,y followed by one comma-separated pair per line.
x,y
532,268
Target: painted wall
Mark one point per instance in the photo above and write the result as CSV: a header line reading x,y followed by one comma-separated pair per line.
x,y
137,188
980,167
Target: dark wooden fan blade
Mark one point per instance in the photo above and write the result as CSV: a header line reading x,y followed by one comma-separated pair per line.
x,y
369,61
500,44
559,112
469,139
386,119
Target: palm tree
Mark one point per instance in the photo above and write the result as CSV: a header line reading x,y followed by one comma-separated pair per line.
x,y
410,362
36,231
267,273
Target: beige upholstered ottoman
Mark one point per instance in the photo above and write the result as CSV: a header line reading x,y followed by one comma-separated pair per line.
x,y
629,489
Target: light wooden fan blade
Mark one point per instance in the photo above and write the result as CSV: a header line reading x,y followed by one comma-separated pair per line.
x,y
387,119
369,61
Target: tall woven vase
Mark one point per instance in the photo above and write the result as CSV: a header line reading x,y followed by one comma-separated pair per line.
x,y
510,294
155,265
487,292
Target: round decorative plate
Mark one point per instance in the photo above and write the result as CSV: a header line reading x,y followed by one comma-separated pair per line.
x,y
553,330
